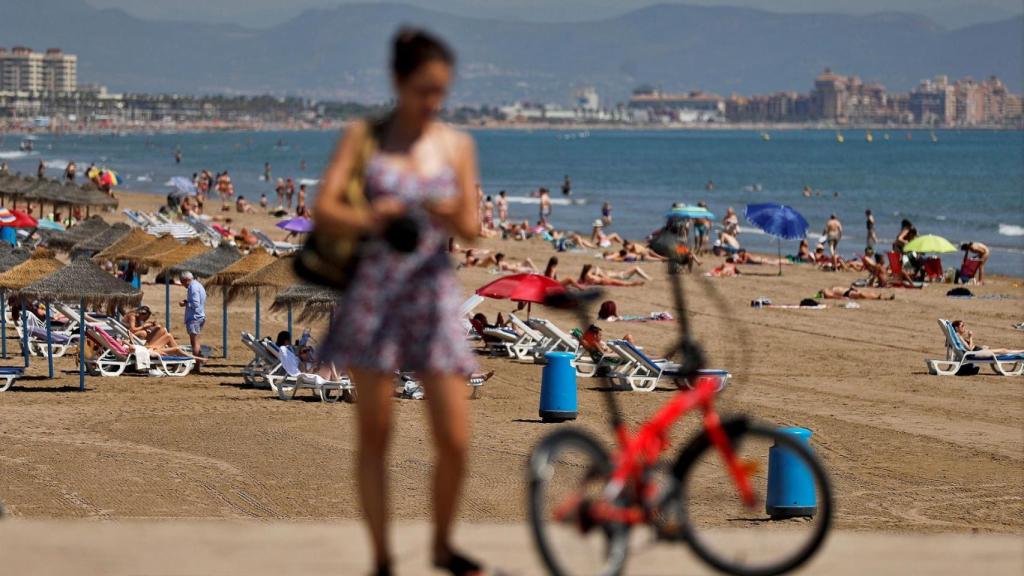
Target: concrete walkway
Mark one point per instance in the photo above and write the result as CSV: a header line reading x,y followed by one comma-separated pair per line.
x,y
225,548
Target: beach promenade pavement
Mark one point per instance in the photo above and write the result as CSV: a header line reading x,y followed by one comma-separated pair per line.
x,y
224,548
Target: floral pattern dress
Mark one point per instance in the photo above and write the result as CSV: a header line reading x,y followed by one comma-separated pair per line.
x,y
401,310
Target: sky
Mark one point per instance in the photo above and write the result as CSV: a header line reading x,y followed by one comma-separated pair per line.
x,y
261,13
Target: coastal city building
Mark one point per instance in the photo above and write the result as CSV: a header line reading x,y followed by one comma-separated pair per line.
x,y
651,105
24,70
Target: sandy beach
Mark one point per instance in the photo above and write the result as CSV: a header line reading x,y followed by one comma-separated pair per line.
x,y
908,452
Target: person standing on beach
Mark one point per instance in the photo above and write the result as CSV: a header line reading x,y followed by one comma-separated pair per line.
x,y
731,222
71,172
4,170
289,192
833,233
870,221
423,171
41,171
300,206
502,207
981,252
195,311
566,186
488,214
545,206
266,171
279,190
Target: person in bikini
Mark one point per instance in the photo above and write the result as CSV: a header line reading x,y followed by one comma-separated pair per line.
x,y
852,293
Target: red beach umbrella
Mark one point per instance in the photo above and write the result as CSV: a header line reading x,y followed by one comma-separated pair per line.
x,y
16,219
527,288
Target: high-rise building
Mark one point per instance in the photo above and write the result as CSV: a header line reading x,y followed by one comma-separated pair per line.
x,y
60,71
22,70
829,96
934,102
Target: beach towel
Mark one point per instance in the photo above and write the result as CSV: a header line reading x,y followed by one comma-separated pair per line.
x,y
142,359
652,317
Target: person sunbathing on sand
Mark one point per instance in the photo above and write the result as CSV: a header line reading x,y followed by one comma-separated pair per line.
x,y
744,257
968,338
644,252
591,275
597,235
725,270
852,293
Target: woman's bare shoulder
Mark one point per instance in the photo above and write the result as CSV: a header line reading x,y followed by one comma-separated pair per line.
x,y
455,139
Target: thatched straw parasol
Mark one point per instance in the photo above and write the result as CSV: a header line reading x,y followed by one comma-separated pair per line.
x,y
84,230
103,240
11,257
134,239
208,264
277,275
83,281
320,305
317,301
255,260
40,265
163,244
18,186
176,255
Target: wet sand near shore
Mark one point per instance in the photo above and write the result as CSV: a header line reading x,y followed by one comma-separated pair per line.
x,y
908,452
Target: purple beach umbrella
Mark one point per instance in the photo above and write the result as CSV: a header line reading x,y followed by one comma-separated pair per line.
x,y
300,225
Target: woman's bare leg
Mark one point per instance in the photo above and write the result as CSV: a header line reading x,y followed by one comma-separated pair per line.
x,y
374,412
448,403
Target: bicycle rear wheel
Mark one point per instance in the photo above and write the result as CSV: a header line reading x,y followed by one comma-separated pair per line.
x,y
742,539
568,473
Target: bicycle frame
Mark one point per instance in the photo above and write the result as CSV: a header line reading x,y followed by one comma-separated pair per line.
x,y
639,452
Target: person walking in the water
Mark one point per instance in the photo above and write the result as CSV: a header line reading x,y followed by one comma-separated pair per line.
x,y
833,234
266,171
177,156
870,222
41,171
567,186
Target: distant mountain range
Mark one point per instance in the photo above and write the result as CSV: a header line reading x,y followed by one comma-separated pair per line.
x,y
341,52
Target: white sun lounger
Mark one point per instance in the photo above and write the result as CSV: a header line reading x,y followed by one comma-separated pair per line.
x,y
328,390
957,356
265,369
276,248
642,374
8,375
62,338
555,339
528,342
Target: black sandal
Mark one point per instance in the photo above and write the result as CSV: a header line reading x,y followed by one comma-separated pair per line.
x,y
383,570
459,565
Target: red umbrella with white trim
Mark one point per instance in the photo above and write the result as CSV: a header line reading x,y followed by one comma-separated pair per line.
x,y
529,288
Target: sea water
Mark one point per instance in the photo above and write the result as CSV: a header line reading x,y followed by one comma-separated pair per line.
x,y
962,185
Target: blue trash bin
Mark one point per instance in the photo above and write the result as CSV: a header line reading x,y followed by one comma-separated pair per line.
x,y
9,235
791,492
558,388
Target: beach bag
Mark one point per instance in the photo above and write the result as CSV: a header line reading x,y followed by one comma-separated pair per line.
x,y
330,257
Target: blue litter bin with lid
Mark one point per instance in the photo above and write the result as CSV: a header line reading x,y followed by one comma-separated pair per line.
x,y
791,492
558,388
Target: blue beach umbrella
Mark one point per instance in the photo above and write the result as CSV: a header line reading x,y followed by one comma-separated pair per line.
x,y
691,212
47,224
780,221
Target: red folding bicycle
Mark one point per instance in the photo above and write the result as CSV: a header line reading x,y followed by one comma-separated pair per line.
x,y
584,502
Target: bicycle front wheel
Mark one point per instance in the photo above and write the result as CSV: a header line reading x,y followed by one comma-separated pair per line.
x,y
568,473
777,531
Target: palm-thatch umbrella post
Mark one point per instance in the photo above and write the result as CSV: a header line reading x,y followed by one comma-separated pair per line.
x,y
49,342
277,275
39,265
254,261
8,259
84,281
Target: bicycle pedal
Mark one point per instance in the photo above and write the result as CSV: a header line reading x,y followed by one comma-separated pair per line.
x,y
670,532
